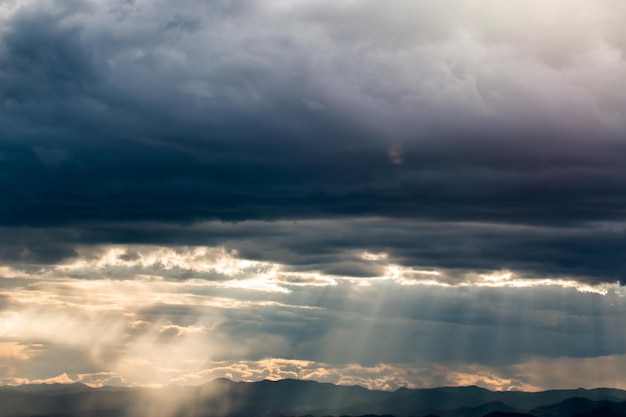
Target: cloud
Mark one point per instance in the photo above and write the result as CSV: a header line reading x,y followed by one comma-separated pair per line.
x,y
380,377
565,373
15,351
293,178
180,323
601,371
502,140
586,253
139,328
181,115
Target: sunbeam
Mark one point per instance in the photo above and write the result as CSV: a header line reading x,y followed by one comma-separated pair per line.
x,y
312,207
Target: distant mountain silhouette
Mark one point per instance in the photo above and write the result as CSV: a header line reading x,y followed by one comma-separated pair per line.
x,y
507,414
225,398
604,411
567,407
493,407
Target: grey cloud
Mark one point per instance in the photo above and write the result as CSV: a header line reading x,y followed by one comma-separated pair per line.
x,y
177,315
476,139
428,325
589,252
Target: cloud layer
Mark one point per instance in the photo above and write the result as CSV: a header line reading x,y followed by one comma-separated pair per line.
x,y
232,182
146,315
132,111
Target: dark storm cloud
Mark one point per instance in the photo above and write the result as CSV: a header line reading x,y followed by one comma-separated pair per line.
x,y
588,252
119,113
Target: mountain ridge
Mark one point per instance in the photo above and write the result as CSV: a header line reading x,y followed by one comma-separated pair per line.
x,y
291,397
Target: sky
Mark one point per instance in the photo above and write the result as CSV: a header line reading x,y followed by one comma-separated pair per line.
x,y
410,193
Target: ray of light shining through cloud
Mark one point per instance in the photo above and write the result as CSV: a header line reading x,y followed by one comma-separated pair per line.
x,y
386,194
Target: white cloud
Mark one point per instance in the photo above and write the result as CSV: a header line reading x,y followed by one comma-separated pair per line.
x,y
193,259
534,374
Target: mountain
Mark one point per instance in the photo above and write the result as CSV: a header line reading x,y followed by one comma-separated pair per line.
x,y
225,398
493,408
568,407
576,406
507,414
604,411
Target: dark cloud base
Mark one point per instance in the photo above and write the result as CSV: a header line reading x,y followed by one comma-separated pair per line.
x,y
589,253
129,125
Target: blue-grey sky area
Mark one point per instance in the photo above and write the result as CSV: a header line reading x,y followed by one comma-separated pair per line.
x,y
412,193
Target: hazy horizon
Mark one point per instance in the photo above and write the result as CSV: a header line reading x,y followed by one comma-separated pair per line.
x,y
408,194
53,385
